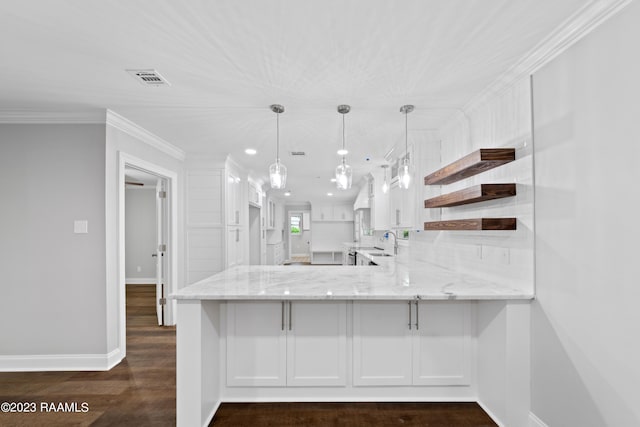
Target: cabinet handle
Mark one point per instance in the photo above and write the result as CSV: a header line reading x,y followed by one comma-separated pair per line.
x,y
397,216
290,315
237,217
237,235
282,316
409,315
417,318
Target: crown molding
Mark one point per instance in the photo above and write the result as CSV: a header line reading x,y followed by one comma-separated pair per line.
x,y
573,29
117,121
27,116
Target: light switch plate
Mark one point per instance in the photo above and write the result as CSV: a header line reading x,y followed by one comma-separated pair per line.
x,y
81,226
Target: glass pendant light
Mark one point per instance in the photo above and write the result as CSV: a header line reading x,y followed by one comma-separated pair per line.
x,y
277,171
385,184
343,171
404,173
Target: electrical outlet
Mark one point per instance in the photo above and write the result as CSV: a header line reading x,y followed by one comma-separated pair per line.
x,y
479,251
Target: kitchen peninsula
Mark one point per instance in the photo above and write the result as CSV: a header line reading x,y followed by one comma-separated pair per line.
x,y
406,330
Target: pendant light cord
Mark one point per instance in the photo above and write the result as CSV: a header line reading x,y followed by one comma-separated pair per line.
x,y
343,157
277,137
406,136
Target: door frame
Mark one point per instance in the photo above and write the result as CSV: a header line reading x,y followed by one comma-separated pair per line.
x,y
171,276
288,228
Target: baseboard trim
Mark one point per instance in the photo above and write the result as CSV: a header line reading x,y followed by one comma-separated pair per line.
x,y
141,281
60,362
493,416
535,421
212,413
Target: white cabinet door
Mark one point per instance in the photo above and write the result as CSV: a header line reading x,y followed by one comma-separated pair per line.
x,y
317,344
342,213
442,343
234,246
256,344
321,212
382,344
234,197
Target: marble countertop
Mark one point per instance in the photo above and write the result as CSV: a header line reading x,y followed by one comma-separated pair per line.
x,y
394,278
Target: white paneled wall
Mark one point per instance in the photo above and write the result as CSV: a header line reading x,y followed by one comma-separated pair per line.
x,y
205,201
502,121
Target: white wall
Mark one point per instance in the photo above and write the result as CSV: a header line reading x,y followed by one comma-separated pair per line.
x,y
53,281
585,323
500,120
140,233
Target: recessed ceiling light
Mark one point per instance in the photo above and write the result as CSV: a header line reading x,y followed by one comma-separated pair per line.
x,y
329,194
332,180
250,151
343,152
287,193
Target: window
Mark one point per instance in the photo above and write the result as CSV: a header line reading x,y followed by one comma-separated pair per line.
x,y
295,223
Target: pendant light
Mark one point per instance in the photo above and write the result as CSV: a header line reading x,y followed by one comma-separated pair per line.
x,y
343,171
404,174
277,171
385,184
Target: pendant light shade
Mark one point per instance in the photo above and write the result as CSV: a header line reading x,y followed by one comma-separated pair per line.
x,y
385,183
343,171
404,172
277,171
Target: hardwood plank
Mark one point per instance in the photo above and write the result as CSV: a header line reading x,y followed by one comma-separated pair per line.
x,y
475,194
471,164
351,414
472,224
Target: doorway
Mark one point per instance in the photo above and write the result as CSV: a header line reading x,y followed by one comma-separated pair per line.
x,y
164,252
299,231
145,234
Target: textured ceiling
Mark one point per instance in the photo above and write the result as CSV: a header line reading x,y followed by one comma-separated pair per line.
x,y
227,61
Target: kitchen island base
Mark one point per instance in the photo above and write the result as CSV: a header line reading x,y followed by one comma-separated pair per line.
x,y
426,351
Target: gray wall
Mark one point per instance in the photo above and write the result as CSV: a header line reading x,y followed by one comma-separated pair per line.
x,y
585,322
140,233
53,287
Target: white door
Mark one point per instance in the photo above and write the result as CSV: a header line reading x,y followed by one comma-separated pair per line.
x,y
161,232
442,343
256,343
382,343
317,343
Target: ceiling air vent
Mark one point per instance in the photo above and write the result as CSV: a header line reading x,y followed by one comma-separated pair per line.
x,y
297,153
149,77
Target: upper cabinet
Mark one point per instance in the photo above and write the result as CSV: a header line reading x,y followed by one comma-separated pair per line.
x,y
402,201
331,212
255,194
234,197
378,201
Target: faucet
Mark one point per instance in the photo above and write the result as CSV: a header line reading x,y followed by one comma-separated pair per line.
x,y
395,241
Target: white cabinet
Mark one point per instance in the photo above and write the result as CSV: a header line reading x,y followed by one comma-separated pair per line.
x,y
271,214
378,202
256,344
275,253
286,343
411,343
381,343
234,198
255,194
235,248
328,212
402,207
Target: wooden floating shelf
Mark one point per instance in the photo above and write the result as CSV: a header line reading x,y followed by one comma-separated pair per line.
x,y
473,224
471,164
477,193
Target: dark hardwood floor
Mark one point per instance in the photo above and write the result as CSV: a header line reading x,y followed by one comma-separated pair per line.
x,y
141,392
351,414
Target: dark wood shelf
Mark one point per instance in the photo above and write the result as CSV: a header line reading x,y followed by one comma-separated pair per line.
x,y
477,193
473,224
471,164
